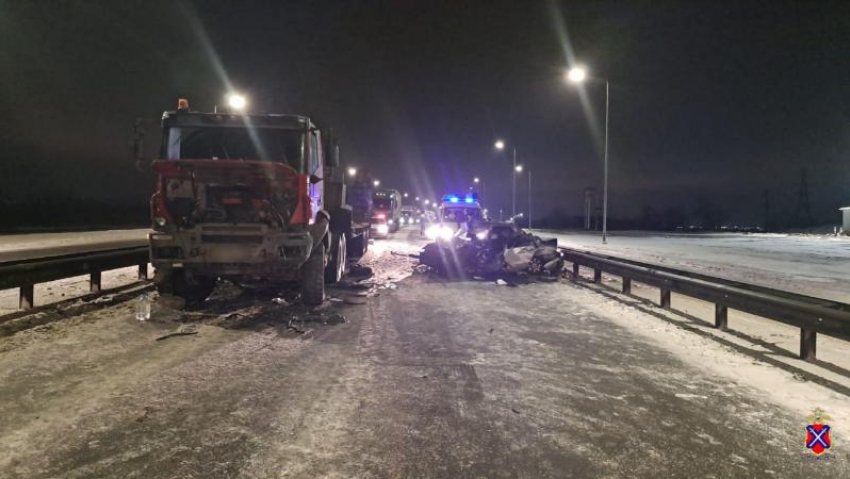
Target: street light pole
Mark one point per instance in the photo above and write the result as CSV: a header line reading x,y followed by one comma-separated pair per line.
x,y
513,189
529,198
605,181
579,75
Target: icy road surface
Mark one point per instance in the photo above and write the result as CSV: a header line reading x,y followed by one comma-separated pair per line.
x,y
812,265
425,378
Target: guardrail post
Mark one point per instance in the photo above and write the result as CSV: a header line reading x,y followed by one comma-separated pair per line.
x,y
627,285
808,345
597,276
94,282
576,267
27,299
721,317
665,298
143,271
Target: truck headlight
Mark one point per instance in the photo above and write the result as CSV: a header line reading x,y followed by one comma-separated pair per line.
x,y
383,229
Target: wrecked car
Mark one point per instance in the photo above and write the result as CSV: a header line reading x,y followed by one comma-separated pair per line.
x,y
488,249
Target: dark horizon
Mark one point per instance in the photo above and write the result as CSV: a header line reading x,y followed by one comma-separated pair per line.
x,y
714,101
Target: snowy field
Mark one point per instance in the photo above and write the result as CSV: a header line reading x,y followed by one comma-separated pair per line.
x,y
812,265
35,245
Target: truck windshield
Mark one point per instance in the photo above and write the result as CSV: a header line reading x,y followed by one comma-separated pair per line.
x,y
382,203
284,146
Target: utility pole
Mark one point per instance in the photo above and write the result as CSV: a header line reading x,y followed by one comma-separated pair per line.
x,y
588,207
803,215
766,209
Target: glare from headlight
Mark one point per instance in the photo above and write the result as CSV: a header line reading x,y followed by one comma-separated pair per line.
x,y
432,232
383,229
390,221
446,233
482,235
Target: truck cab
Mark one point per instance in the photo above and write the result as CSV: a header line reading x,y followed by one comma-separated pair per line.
x,y
386,212
243,197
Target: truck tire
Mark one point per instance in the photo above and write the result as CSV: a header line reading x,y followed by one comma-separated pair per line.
x,y
313,278
193,289
338,260
359,244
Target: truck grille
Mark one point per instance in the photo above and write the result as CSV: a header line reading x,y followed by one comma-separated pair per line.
x,y
231,239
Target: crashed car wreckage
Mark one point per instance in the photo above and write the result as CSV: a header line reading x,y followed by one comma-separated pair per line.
x,y
492,249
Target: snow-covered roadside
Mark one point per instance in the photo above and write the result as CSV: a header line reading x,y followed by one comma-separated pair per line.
x,y
60,290
778,386
812,265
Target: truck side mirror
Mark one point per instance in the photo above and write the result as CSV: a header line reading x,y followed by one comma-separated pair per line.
x,y
334,159
331,149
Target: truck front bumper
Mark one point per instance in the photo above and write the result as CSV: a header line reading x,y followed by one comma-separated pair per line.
x,y
232,250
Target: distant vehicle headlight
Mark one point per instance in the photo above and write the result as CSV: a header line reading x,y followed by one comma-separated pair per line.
x,y
390,221
433,232
401,221
482,235
383,229
160,220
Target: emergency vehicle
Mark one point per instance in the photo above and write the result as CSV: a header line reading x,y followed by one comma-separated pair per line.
x,y
456,214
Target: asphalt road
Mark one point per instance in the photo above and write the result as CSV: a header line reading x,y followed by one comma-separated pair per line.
x,y
425,378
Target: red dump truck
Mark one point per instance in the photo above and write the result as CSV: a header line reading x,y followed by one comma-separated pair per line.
x,y
250,198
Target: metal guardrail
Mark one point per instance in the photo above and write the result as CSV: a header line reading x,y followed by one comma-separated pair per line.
x,y
811,315
25,274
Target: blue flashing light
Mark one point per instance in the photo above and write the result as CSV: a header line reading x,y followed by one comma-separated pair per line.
x,y
454,199
469,199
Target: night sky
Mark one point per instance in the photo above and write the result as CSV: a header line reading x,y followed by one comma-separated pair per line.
x,y
715,100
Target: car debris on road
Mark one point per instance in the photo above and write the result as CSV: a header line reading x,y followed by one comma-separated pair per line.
x,y
493,250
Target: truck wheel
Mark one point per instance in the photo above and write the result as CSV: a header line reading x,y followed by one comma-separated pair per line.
x,y
313,278
193,289
337,262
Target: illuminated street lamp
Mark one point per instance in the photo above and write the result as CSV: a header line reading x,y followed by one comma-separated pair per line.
x,y
377,183
500,145
405,195
236,101
417,198
518,168
478,180
579,75
352,171
427,202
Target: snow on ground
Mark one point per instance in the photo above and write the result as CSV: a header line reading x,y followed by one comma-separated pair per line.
x,y
812,265
783,380
24,246
60,290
